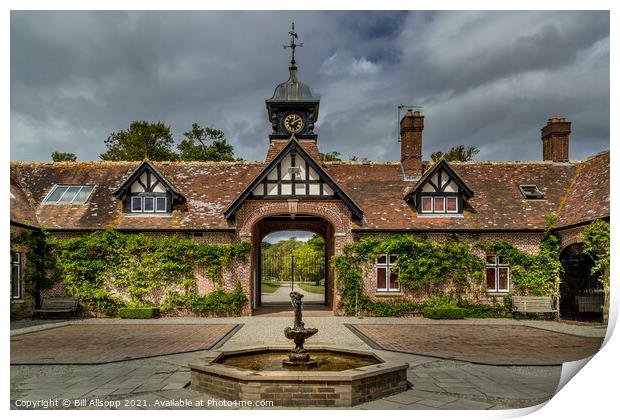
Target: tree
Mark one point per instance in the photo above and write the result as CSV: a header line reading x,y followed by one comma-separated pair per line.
x,y
330,156
63,156
458,153
143,140
196,147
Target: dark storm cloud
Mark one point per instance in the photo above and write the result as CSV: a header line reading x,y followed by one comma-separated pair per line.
x,y
484,79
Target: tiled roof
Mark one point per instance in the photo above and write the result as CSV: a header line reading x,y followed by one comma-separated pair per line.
x,y
277,145
21,210
579,189
588,196
497,202
207,187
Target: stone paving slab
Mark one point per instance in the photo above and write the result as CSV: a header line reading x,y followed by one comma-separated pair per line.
x,y
91,344
488,344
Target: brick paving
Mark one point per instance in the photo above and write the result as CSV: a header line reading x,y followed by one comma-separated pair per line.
x,y
86,344
161,381
489,344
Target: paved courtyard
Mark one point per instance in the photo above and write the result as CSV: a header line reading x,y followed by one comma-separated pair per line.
x,y
490,344
161,381
89,344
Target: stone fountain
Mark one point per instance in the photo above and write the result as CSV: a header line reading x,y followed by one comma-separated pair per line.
x,y
299,356
332,377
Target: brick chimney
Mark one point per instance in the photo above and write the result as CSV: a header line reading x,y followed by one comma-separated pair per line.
x,y
411,127
555,139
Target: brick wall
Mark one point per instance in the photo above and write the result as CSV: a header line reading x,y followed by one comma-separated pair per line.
x,y
527,242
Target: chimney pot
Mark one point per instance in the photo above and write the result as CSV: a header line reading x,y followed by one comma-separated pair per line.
x,y
555,139
411,127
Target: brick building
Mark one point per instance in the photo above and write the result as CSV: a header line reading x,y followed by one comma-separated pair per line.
x,y
293,189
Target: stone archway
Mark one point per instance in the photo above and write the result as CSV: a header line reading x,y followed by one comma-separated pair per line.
x,y
581,294
329,218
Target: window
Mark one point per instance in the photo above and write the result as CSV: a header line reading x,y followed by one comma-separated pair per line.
x,y
149,204
452,205
498,274
160,205
16,275
439,204
68,194
387,275
531,192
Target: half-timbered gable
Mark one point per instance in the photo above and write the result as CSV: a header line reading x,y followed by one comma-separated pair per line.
x,y
147,191
440,192
294,174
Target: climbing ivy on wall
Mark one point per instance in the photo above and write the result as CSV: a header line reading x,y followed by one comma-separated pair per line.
x,y
39,273
139,267
447,270
537,274
595,238
423,265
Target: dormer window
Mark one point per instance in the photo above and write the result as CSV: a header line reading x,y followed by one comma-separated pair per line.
x,y
149,203
435,204
440,192
146,191
531,192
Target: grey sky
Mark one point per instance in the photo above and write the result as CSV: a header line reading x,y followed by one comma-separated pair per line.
x,y
489,79
300,235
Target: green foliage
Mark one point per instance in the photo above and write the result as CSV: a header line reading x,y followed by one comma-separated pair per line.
x,y
595,237
537,275
312,288
196,147
485,311
268,286
444,313
276,260
138,313
142,140
439,267
39,273
330,156
137,265
458,153
63,157
218,301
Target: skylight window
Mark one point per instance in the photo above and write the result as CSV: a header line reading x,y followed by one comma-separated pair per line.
x,y
68,194
531,192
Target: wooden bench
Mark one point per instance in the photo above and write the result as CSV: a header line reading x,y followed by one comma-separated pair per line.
x,y
55,305
533,304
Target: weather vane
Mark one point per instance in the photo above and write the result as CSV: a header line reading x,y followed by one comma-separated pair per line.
x,y
293,45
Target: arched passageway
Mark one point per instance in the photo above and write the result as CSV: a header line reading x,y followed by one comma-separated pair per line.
x,y
302,264
581,294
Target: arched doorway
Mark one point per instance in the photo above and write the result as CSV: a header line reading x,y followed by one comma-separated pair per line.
x,y
292,266
581,294
292,260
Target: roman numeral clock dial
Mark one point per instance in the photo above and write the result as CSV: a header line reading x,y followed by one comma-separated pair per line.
x,y
293,123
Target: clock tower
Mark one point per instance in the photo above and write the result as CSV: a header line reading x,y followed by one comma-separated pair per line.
x,y
292,109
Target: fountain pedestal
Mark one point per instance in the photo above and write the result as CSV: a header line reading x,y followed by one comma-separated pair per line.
x,y
298,356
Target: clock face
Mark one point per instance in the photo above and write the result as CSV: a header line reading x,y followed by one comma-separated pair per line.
x,y
293,123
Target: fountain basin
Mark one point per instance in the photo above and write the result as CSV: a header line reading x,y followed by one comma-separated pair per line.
x,y
352,377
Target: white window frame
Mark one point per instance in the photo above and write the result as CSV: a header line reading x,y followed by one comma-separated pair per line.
x,y
457,204
388,270
17,264
429,197
165,210
144,210
443,198
133,209
496,265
